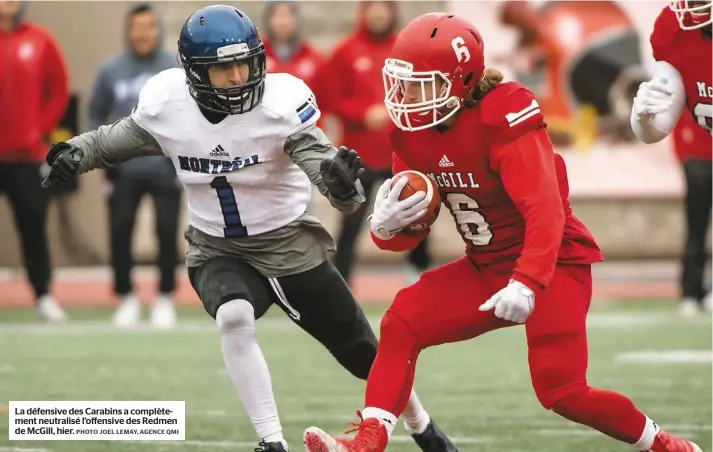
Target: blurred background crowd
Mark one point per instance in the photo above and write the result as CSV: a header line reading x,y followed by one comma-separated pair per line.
x,y
67,67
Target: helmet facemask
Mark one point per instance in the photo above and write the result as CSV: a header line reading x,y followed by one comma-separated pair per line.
x,y
436,104
692,14
233,99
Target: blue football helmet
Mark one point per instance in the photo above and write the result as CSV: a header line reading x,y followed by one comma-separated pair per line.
x,y
221,34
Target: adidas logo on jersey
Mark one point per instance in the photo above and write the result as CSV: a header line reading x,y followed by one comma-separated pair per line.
x,y
219,152
445,163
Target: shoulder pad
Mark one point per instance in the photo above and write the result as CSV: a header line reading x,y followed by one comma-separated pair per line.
x,y
511,110
158,91
665,29
287,98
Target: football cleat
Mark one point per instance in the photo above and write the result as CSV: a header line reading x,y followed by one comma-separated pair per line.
x,y
276,446
665,442
371,437
434,440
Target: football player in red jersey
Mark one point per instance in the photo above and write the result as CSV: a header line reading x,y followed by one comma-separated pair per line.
x,y
681,44
527,257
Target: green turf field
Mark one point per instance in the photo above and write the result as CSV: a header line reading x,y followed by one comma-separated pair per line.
x,y
479,391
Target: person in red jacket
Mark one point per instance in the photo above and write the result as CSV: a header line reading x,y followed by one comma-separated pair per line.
x,y
286,49
33,98
692,145
355,95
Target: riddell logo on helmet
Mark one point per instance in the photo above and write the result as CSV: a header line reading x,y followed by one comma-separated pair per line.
x,y
233,49
398,64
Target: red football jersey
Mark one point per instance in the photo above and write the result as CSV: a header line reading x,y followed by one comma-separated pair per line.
x,y
690,140
689,51
491,195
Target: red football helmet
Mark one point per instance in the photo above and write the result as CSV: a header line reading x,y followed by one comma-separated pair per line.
x,y
433,49
692,14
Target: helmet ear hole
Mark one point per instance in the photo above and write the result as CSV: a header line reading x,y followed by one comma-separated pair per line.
x,y
475,36
467,78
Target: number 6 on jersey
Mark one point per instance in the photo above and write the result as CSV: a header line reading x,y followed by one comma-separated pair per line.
x,y
472,224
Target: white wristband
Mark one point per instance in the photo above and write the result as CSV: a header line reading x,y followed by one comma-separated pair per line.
x,y
380,231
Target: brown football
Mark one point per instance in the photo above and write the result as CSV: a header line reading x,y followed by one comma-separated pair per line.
x,y
420,182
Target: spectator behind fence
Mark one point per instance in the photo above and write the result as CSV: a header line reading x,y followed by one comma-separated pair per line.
x,y
692,144
33,97
115,94
286,48
356,96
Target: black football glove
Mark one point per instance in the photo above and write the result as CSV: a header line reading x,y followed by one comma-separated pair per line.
x,y
341,173
63,159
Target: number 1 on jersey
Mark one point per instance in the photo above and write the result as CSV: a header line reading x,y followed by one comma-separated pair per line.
x,y
229,207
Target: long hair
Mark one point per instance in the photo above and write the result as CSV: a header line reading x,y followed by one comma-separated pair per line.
x,y
491,78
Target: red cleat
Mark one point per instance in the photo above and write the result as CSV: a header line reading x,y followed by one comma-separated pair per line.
x,y
668,443
371,437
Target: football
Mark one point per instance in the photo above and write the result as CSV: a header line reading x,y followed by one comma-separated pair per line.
x,y
420,182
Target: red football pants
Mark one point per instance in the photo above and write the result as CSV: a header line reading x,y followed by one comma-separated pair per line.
x,y
443,307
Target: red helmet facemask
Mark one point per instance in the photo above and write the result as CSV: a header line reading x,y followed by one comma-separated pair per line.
x,y
435,63
692,14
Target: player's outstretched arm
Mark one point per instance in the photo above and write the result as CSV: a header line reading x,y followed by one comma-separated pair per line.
x,y
658,104
308,149
101,148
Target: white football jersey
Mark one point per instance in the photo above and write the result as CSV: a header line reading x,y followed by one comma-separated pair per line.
x,y
237,178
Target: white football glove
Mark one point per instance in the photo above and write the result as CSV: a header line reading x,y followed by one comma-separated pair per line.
x,y
653,98
513,303
391,215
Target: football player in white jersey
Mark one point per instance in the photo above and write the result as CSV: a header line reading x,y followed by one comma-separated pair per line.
x,y
246,149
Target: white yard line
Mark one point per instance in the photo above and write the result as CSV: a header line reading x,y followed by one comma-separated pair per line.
x,y
22,449
524,420
236,444
653,382
459,440
666,356
193,443
684,430
599,320
566,432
